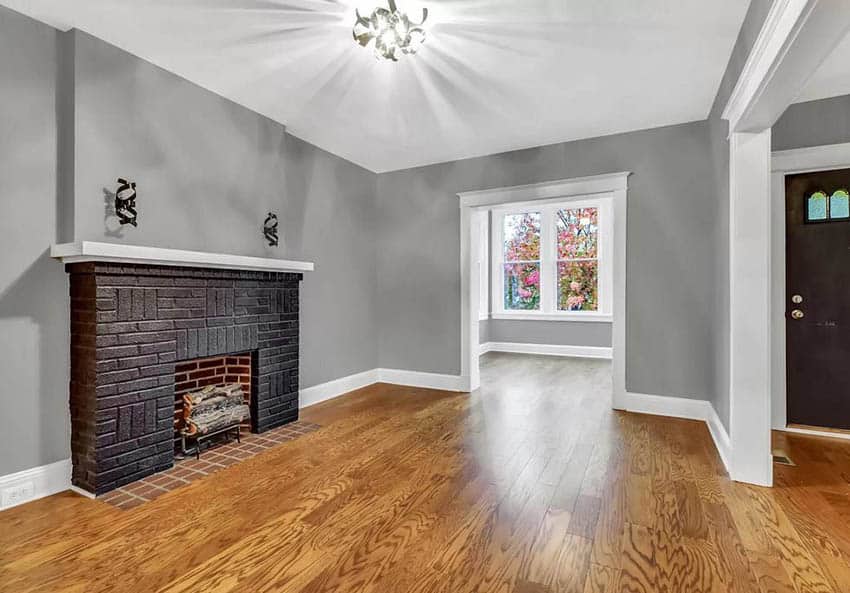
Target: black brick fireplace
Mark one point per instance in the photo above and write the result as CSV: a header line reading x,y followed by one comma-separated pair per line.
x,y
131,324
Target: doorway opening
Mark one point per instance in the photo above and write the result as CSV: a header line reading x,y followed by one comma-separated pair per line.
x,y
551,252
807,303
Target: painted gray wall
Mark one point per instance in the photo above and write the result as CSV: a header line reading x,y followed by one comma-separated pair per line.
x,y
34,329
672,280
484,331
562,333
330,219
813,123
208,172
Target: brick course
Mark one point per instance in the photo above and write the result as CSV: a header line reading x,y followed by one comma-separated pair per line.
x,y
130,326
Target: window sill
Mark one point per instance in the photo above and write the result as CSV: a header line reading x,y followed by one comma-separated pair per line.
x,y
573,317
484,317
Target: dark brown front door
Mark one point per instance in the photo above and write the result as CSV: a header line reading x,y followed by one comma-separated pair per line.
x,y
817,208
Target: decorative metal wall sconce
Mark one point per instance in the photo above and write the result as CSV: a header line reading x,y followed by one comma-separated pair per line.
x,y
270,229
125,203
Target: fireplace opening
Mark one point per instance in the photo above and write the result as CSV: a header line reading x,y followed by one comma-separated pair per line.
x,y
207,392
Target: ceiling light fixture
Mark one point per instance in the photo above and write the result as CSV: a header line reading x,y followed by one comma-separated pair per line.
x,y
391,30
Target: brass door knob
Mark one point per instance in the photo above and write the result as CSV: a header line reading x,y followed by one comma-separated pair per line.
x,y
797,314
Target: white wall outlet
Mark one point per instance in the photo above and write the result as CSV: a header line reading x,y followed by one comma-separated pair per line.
x,y
18,494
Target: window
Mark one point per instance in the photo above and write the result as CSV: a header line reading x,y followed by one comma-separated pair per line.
x,y
577,235
821,207
552,260
839,205
521,261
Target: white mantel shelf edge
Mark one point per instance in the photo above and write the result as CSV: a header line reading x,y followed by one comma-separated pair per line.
x,y
91,251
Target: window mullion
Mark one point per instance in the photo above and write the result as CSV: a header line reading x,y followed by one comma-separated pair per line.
x,y
548,264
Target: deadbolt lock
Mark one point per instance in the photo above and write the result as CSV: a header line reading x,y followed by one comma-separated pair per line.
x,y
796,299
797,314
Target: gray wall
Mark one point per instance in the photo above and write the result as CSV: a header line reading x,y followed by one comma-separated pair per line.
x,y
672,278
813,123
330,219
208,172
34,328
564,333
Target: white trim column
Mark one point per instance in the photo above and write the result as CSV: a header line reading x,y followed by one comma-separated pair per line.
x,y
749,270
469,287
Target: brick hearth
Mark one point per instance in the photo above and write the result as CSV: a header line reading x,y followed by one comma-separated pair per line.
x,y
130,326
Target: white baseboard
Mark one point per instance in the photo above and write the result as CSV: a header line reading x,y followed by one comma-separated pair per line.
x,y
331,389
691,409
816,433
81,492
547,349
420,379
337,387
721,438
35,483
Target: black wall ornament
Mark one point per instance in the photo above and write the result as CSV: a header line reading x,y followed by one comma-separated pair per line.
x,y
270,229
125,203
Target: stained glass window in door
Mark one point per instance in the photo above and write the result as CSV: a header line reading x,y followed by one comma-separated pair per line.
x,y
839,205
816,206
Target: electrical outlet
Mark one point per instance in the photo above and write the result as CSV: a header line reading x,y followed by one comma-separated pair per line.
x,y
17,494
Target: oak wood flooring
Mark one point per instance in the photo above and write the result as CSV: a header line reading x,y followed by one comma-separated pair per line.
x,y
530,485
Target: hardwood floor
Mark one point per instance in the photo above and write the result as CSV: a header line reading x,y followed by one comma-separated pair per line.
x,y
530,485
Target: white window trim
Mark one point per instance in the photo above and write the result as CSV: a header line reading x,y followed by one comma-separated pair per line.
x,y
482,227
548,260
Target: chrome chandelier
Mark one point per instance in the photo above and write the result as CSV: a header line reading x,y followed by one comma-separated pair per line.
x,y
391,30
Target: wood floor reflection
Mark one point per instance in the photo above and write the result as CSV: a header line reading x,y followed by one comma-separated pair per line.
x,y
531,484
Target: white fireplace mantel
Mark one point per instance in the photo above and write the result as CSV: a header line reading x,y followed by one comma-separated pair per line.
x,y
91,251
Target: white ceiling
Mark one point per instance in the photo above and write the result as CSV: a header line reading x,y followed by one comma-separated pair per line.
x,y
494,75
832,78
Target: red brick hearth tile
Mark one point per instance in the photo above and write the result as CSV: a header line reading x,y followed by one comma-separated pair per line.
x,y
116,497
143,490
183,473
238,454
166,480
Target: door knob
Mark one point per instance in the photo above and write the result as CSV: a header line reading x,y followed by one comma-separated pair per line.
x,y
796,299
797,314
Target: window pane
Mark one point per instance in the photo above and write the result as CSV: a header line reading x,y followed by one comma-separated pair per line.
x,y
839,204
578,286
816,206
522,287
578,233
522,237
